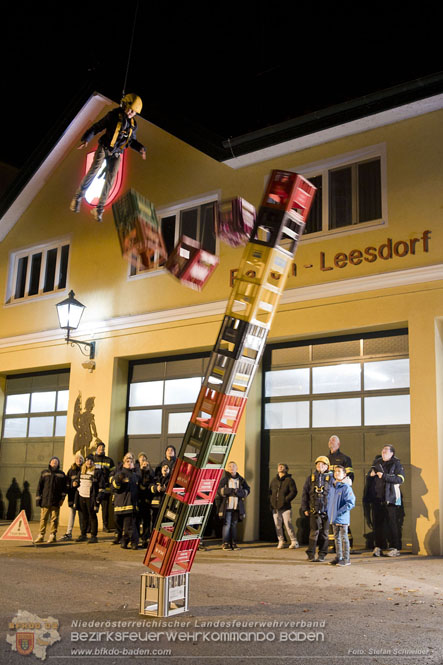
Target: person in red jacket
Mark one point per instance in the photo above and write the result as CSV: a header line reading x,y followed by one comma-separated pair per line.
x,y
120,130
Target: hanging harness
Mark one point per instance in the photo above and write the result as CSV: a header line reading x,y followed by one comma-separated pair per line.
x,y
327,480
118,130
320,491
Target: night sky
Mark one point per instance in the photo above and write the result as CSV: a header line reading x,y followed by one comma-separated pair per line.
x,y
230,68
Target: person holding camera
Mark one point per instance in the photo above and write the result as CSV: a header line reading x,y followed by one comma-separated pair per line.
x,y
87,499
383,492
72,483
144,498
158,489
232,491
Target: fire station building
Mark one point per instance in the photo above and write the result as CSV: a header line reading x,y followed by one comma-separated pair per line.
x,y
356,347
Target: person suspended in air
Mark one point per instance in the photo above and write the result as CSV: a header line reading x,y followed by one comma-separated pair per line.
x,y
120,128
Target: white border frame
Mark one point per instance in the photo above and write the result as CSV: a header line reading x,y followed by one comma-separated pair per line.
x,y
320,167
17,254
173,209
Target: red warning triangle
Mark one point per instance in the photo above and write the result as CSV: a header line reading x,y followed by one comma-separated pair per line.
x,y
19,529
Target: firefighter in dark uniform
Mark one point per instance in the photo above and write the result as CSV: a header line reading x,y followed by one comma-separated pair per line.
x,y
125,484
337,458
106,465
120,130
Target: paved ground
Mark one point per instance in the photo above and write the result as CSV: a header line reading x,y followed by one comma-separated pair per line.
x,y
255,605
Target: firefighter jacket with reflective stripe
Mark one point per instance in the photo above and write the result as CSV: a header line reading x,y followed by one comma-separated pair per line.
x,y
387,488
157,496
340,459
125,488
107,467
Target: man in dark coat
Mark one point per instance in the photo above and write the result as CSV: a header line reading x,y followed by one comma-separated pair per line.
x,y
232,491
383,491
51,492
119,129
283,491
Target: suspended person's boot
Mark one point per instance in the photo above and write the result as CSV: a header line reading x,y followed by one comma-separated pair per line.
x,y
76,202
97,213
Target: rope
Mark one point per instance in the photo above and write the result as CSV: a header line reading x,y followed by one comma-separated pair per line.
x,y
230,146
130,48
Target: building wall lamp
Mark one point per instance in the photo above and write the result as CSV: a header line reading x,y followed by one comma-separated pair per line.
x,y
69,312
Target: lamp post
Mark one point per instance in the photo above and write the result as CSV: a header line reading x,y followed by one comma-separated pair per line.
x,y
69,312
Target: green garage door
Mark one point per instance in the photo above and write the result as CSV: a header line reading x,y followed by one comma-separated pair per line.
x,y
32,431
162,395
356,388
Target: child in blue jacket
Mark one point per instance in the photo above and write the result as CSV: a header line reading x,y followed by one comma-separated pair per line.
x,y
341,502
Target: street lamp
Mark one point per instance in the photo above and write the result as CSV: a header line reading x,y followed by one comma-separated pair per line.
x,y
69,313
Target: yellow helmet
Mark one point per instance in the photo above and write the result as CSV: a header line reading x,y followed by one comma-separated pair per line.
x,y
133,102
323,459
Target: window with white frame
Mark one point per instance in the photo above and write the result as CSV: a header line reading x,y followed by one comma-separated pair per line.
x,y
359,391
349,192
38,271
194,219
162,396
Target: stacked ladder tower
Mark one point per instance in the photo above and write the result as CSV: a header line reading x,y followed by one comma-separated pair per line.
x,y
258,286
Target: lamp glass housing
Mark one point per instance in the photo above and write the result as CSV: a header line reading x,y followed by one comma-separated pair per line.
x,y
70,312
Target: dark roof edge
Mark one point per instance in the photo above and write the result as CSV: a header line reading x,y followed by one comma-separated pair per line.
x,y
337,114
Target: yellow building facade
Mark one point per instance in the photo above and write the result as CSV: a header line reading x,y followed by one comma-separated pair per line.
x,y
377,276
